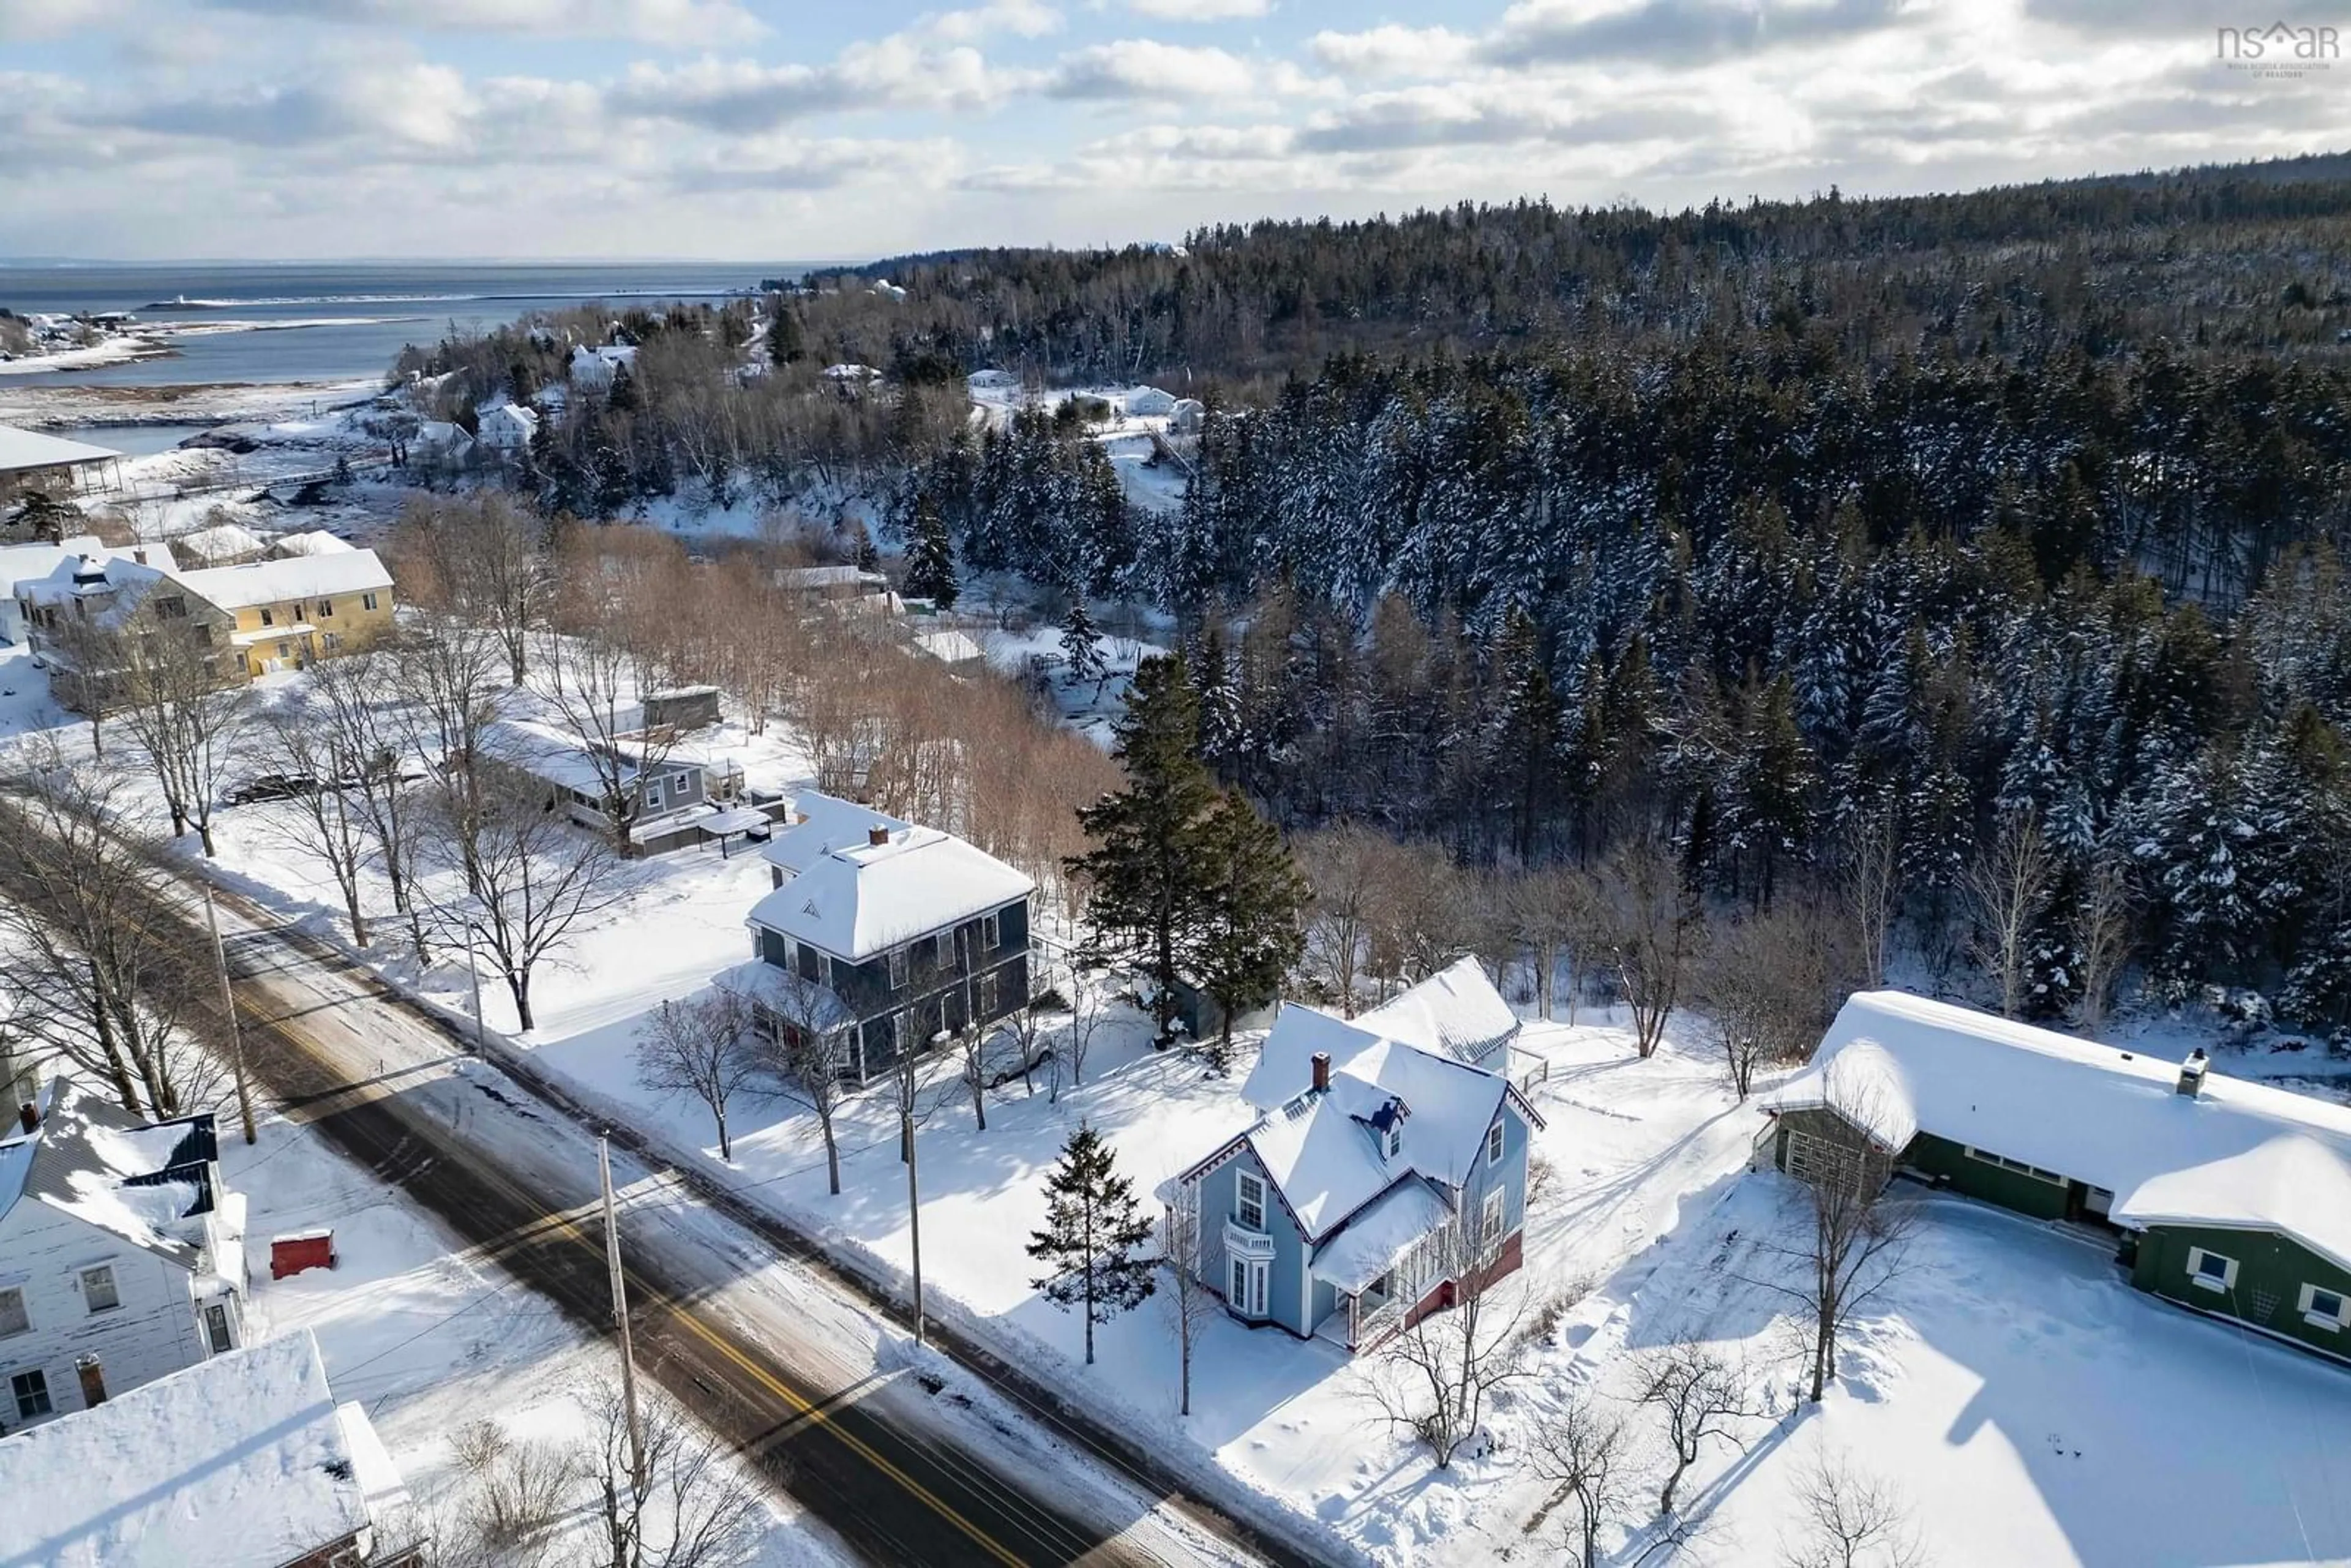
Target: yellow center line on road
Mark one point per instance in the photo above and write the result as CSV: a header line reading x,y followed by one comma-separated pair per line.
x,y
570,1229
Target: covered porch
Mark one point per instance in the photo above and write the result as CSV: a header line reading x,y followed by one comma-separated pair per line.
x,y
1382,1264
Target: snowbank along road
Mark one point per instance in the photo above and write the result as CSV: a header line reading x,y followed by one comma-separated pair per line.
x,y
781,1361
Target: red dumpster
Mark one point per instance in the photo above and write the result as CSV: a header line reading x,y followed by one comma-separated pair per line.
x,y
299,1250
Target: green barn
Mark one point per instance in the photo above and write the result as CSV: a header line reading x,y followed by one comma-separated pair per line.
x,y
2228,1196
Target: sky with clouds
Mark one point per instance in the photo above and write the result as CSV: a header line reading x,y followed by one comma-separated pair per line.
x,y
755,130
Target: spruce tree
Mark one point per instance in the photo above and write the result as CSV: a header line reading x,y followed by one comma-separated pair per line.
x,y
785,344
930,555
1249,936
1094,1232
1148,872
1080,644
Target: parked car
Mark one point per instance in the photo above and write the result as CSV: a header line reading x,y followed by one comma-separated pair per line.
x,y
270,786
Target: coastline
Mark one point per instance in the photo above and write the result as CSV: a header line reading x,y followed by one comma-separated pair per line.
x,y
127,349
208,403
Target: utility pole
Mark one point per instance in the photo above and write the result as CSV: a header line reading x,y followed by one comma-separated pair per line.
x,y
914,1222
228,1005
474,973
621,1316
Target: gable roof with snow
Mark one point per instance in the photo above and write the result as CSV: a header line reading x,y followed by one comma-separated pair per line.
x,y
866,898
118,577
311,542
1321,1149
1456,1010
243,1460
2237,1155
832,824
91,1160
21,563
220,542
290,577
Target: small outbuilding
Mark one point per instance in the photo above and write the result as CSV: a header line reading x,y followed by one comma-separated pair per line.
x,y
30,460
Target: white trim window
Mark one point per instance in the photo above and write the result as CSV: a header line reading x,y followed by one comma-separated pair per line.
x,y
368,601
2324,1309
681,785
2019,1166
2210,1270
1250,1282
32,1392
1494,1140
1248,1201
653,794
98,1291
990,931
1491,1218
13,1319
897,969
1395,1140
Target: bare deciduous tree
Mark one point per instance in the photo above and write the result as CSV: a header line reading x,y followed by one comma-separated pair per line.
x,y
445,675
483,557
1768,983
177,696
1433,1376
685,1506
507,1504
1856,1520
1583,1452
1869,880
1552,913
1701,1396
1652,926
1343,867
87,966
1190,1303
304,736
697,1047
1858,1238
2103,922
2008,888
803,1051
536,878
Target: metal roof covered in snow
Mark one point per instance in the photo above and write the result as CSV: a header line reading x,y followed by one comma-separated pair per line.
x,y
21,450
2236,1154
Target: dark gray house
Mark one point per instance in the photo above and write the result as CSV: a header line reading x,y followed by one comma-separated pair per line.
x,y
892,940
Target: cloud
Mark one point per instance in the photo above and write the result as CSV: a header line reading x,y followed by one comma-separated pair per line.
x,y
31,20
1393,51
1200,10
797,163
1146,68
1676,32
680,24
1022,18
1458,117
740,97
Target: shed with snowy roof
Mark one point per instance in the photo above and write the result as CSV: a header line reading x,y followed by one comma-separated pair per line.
x,y
2230,1196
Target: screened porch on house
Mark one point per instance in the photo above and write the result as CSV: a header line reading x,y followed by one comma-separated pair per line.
x,y
1383,1262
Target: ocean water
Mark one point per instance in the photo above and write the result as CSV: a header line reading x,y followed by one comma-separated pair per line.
x,y
334,321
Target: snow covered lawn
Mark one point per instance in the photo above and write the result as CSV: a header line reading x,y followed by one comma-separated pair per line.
x,y
426,1336
2023,1401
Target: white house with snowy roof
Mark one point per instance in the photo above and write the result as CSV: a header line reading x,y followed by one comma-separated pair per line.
x,y
122,1253
594,368
507,428
895,938
1388,1166
245,1461
2229,1197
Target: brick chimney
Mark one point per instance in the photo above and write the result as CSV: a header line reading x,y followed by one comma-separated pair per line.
x,y
1322,1072
877,835
2191,1074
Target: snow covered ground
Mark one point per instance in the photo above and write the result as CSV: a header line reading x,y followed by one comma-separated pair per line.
x,y
2021,1400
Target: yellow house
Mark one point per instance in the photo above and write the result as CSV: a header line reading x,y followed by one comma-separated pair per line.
x,y
291,611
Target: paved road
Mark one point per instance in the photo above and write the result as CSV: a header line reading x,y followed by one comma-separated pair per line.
x,y
896,1460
